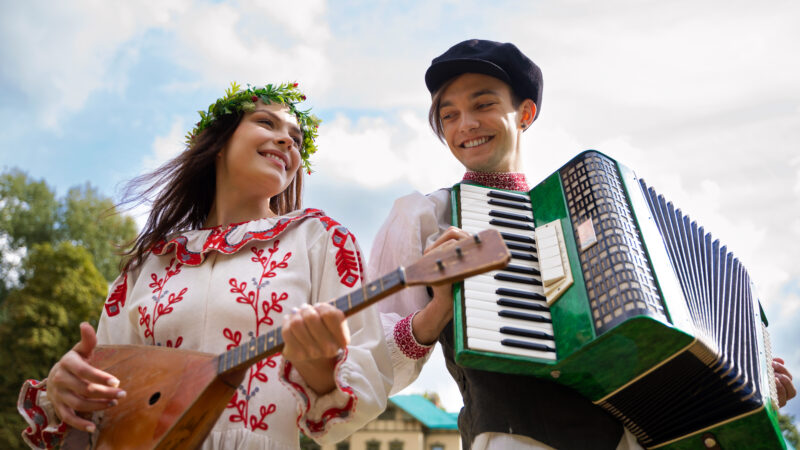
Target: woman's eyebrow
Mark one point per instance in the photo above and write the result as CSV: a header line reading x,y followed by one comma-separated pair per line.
x,y
292,127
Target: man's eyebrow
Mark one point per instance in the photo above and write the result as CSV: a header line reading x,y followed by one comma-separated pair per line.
x,y
475,94
484,92
277,118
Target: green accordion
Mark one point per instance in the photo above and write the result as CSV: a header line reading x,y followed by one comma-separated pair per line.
x,y
617,294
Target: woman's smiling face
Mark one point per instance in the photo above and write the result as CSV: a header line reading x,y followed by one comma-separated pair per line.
x,y
262,156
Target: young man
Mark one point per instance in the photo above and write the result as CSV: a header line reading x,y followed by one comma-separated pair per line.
x,y
484,96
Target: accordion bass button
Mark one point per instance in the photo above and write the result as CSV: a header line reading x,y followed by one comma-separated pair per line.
x,y
710,442
555,374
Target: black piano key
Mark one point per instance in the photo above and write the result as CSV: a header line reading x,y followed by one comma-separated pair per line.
x,y
523,316
521,269
524,344
512,205
521,247
510,216
520,294
517,237
536,334
522,304
524,256
510,224
509,196
517,279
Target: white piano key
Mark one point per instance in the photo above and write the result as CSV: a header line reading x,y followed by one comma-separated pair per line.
x,y
481,284
492,298
476,226
491,321
482,206
497,336
484,216
495,308
489,346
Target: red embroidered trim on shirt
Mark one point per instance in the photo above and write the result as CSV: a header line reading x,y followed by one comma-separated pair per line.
x,y
218,239
38,419
116,300
348,263
501,180
330,414
404,339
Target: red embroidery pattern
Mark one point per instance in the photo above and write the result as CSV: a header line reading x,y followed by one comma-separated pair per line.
x,y
149,320
404,339
328,415
348,263
500,180
218,239
262,311
116,300
35,433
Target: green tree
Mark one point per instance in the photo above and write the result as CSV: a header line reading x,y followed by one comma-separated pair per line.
x,y
30,214
91,220
60,289
789,429
28,210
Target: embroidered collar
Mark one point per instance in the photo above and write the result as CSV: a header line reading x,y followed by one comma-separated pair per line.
x,y
502,180
191,247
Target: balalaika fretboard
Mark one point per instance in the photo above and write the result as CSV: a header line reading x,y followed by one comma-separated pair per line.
x,y
614,292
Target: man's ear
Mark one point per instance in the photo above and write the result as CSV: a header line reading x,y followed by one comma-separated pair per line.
x,y
526,112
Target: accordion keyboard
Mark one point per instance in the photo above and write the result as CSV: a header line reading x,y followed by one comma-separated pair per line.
x,y
506,310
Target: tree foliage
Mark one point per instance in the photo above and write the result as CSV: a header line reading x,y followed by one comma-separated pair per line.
x,y
789,429
57,257
31,214
90,220
61,288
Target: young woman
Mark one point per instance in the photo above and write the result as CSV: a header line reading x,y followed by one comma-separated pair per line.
x,y
225,253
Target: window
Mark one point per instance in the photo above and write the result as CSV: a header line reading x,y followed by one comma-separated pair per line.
x,y
373,445
387,414
343,446
307,444
437,446
396,445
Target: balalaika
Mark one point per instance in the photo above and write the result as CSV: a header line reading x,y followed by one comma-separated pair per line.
x,y
614,292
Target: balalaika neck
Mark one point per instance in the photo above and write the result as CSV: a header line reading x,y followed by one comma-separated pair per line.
x,y
271,342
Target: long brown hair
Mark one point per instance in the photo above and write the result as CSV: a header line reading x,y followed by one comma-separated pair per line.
x,y
184,189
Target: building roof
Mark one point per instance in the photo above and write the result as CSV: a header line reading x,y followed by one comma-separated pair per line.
x,y
426,412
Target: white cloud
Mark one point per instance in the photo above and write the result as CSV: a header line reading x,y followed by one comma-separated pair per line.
x,y
166,147
375,152
253,42
63,52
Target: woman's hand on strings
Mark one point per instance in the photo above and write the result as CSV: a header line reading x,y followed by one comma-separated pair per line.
x,y
74,385
313,336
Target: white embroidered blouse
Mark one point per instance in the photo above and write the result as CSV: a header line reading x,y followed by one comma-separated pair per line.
x,y
212,289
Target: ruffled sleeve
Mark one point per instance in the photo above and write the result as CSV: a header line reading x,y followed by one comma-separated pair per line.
x,y
45,429
414,223
363,371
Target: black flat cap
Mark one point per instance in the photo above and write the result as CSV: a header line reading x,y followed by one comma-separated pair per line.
x,y
500,60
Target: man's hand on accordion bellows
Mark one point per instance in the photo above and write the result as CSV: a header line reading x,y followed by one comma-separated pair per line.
x,y
431,320
783,381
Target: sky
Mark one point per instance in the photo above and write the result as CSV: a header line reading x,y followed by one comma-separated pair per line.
x,y
700,98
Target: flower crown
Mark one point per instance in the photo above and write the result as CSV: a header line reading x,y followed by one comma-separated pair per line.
x,y
238,101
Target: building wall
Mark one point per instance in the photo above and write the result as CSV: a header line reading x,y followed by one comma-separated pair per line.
x,y
397,425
